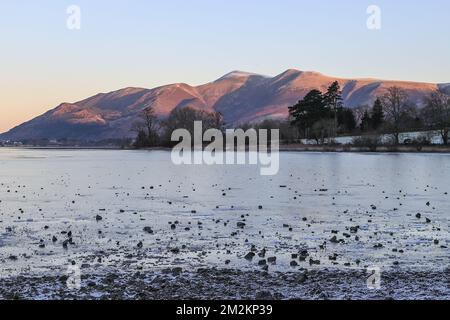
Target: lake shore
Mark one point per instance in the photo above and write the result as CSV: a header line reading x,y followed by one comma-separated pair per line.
x,y
149,229
284,148
358,149
228,284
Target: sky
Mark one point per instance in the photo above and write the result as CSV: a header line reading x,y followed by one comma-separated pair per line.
x,y
148,43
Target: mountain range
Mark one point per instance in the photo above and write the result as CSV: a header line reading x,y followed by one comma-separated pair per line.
x,y
239,96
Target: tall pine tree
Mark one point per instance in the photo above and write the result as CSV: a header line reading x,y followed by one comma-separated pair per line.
x,y
377,117
366,122
308,111
333,100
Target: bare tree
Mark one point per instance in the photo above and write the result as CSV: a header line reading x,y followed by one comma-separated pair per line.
x,y
360,112
396,106
147,126
212,120
184,118
437,114
321,130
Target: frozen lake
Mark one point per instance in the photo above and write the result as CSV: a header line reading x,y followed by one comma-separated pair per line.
x,y
368,202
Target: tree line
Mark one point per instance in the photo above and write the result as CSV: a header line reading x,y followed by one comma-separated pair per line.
x,y
320,116
154,132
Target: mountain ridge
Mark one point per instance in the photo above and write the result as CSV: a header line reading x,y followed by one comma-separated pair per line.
x,y
240,96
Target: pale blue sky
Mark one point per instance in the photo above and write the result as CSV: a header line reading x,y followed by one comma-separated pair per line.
x,y
149,43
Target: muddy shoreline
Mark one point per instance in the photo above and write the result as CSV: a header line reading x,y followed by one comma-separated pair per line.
x,y
228,284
